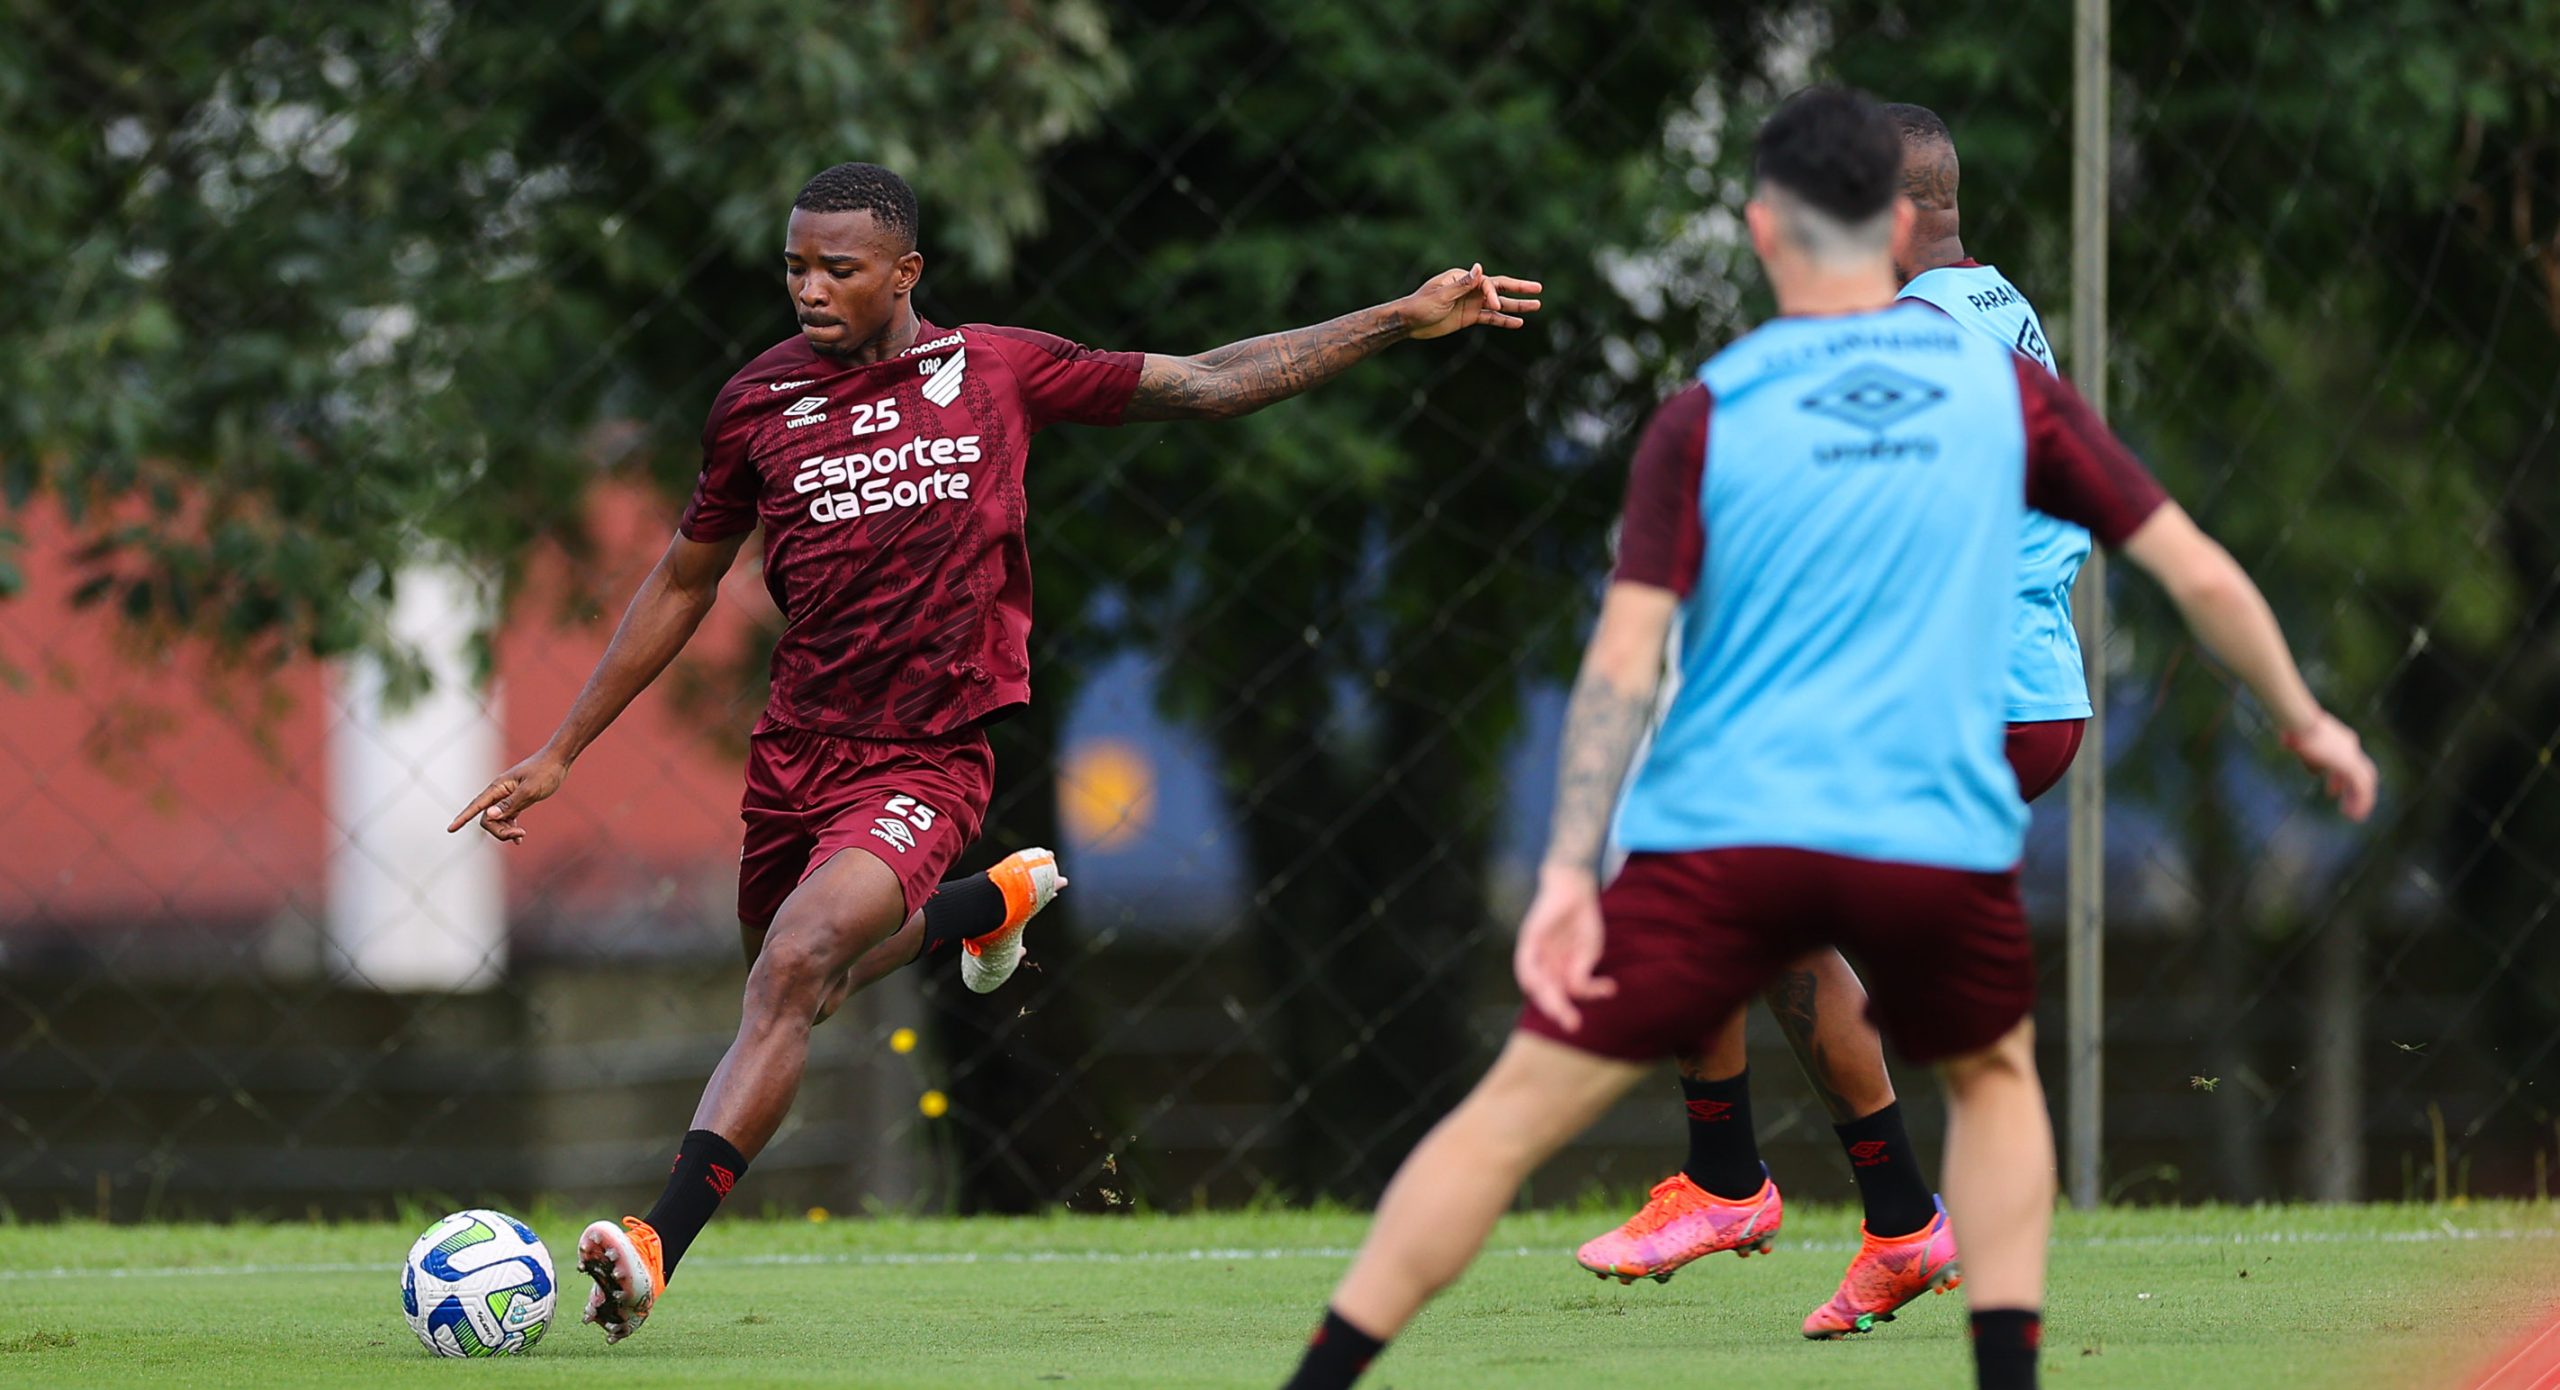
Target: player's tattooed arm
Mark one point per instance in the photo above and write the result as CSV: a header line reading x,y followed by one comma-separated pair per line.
x,y
1612,706
1243,377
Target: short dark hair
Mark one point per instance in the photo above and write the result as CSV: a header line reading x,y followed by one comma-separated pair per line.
x,y
1930,170
1917,124
862,188
1834,148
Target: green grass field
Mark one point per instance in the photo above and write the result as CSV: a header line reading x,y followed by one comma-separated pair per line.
x,y
2339,1297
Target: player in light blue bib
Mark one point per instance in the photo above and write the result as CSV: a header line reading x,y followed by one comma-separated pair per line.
x,y
1829,519
1820,1005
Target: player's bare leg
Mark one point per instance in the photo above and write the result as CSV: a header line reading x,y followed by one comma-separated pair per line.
x,y
1906,1247
989,932
1457,1181
2000,1191
846,907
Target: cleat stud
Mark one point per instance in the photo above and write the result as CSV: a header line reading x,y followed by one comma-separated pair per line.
x,y
1663,1278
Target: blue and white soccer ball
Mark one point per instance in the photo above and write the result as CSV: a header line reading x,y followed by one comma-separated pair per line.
x,y
478,1283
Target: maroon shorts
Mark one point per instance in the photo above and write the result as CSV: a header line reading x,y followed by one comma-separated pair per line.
x,y
2041,752
912,804
1695,935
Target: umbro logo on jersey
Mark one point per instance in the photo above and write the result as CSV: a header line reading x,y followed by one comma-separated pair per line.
x,y
788,385
1873,397
808,410
2033,345
942,378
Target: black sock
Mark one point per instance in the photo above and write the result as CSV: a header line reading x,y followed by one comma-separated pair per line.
x,y
962,908
1724,1155
1336,1355
706,1167
1888,1172
2005,1343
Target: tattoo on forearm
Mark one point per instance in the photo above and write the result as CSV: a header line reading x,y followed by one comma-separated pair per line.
x,y
1792,1003
1241,378
1602,727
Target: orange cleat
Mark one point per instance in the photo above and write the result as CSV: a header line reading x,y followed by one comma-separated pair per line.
x,y
1886,1274
1680,1222
1028,879
630,1273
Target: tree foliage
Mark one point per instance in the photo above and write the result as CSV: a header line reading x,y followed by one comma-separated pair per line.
x,y
299,292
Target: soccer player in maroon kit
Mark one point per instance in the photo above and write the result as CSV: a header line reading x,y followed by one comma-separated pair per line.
x,y
883,456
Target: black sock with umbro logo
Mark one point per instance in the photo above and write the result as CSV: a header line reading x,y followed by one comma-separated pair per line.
x,y
706,1167
2006,1342
1724,1154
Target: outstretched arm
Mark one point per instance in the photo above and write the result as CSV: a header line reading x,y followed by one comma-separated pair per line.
x,y
2078,470
661,619
1241,378
2227,613
1612,706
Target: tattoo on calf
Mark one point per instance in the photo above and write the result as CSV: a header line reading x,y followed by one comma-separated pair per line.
x,y
1792,1002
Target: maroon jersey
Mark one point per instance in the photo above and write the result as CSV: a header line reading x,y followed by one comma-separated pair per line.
x,y
891,497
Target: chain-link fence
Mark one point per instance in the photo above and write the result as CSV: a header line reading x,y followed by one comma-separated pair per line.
x,y
353,354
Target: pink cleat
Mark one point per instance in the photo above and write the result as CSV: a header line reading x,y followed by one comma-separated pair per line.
x,y
1885,1274
1680,1222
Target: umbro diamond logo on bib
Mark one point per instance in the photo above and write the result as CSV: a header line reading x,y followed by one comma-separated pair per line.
x,y
1873,397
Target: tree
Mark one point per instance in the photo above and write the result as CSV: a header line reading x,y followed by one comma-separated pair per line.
x,y
299,294
1353,590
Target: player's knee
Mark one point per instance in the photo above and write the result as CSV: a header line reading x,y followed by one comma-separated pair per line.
x,y
2009,1060
790,975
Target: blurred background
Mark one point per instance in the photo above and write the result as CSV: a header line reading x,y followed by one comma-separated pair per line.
x,y
354,358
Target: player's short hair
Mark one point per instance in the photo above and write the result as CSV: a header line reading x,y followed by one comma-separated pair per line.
x,y
863,188
1930,172
1918,124
1830,161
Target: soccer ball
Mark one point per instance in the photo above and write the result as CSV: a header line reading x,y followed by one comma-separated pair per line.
x,y
478,1283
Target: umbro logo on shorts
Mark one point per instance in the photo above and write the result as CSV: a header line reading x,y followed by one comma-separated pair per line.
x,y
896,832
906,816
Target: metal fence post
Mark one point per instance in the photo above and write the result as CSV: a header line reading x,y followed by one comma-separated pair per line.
x,y
2084,951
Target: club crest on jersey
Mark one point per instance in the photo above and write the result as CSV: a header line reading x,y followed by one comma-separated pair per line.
x,y
808,410
942,376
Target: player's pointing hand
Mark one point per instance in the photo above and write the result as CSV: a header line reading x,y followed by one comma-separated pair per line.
x,y
1455,299
515,789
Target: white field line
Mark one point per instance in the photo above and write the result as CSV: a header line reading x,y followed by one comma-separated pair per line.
x,y
1220,1255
